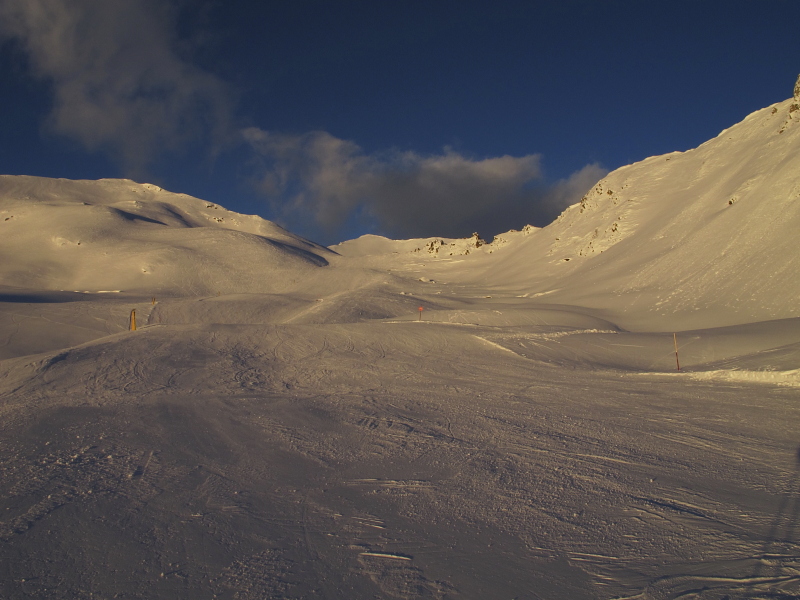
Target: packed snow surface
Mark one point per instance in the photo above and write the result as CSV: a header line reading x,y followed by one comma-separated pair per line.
x,y
408,419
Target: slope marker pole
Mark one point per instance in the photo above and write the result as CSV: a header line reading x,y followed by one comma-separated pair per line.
x,y
420,313
675,340
133,320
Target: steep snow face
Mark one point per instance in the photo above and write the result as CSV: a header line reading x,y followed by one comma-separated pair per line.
x,y
699,238
119,235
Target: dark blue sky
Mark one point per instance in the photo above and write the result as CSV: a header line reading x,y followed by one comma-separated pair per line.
x,y
408,119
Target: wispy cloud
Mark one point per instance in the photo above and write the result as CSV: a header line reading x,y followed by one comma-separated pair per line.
x,y
119,83
406,193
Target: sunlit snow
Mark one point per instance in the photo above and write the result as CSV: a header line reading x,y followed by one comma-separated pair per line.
x,y
428,418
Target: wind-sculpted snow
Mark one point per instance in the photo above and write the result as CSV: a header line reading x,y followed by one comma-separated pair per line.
x,y
406,419
119,235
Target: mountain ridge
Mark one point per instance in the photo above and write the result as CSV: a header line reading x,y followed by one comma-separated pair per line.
x,y
710,228
691,239
113,234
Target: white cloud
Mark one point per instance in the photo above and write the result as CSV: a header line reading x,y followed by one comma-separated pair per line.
x,y
566,192
406,193
119,84
315,172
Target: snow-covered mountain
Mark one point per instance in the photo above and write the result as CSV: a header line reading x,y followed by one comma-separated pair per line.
x,y
690,239
698,238
112,235
417,419
376,245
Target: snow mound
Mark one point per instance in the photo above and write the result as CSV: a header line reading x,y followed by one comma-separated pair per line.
x,y
783,378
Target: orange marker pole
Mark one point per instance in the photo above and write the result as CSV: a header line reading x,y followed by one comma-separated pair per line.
x,y
133,320
675,340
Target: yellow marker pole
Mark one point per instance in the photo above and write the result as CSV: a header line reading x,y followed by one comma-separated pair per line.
x,y
154,300
133,320
675,340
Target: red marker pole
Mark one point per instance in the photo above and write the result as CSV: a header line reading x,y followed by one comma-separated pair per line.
x,y
420,313
675,340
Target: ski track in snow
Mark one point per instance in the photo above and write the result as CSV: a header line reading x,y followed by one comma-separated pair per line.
x,y
352,459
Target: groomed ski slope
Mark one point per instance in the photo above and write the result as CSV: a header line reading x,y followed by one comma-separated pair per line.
x,y
286,423
438,459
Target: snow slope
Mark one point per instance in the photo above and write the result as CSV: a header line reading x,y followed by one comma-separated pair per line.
x,y
286,423
398,459
694,239
113,235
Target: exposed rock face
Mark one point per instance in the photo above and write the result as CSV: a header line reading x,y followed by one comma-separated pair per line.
x,y
797,89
